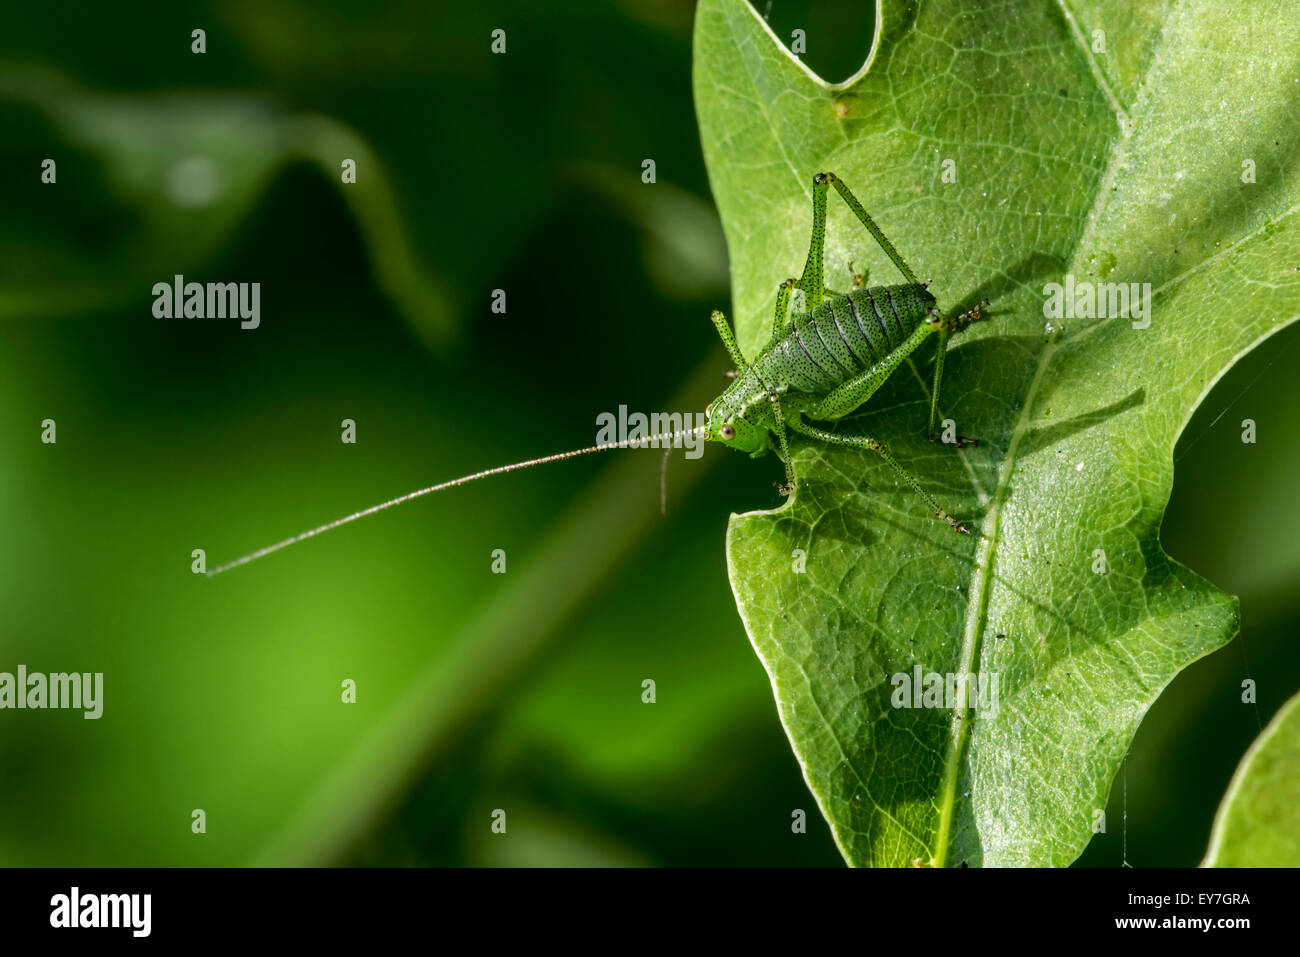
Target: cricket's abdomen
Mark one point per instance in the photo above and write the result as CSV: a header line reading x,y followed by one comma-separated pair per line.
x,y
842,337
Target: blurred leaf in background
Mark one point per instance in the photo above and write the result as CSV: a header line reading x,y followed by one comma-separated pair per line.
x,y
172,175
475,172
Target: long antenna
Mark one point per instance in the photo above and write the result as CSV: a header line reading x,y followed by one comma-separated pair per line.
x,y
463,480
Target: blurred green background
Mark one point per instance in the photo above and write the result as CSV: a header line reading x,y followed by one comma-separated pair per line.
x,y
475,691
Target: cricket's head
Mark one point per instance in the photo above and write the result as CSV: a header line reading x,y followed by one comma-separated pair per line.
x,y
738,426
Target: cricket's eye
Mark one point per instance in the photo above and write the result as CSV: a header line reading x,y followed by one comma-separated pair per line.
x,y
728,433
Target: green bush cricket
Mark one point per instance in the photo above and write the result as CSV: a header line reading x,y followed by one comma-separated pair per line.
x,y
830,363
820,364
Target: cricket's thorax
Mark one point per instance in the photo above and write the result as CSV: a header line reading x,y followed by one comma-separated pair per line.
x,y
745,398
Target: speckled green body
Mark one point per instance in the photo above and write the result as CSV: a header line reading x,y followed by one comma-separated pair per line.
x,y
824,363
840,340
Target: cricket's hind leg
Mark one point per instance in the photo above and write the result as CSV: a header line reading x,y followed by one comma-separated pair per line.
x,y
821,181
866,442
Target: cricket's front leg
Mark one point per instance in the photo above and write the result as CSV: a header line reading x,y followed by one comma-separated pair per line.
x,y
728,338
778,426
